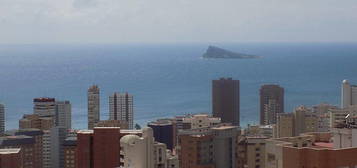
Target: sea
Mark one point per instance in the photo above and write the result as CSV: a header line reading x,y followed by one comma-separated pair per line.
x,y
169,80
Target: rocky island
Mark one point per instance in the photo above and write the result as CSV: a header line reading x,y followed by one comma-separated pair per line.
x,y
216,52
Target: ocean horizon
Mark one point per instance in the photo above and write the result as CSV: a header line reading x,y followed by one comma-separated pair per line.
x,y
168,80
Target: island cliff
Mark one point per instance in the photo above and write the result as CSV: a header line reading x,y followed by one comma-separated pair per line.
x,y
216,52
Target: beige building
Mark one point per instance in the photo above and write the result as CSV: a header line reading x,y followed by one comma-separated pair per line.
x,y
304,120
259,130
35,121
338,115
285,125
112,123
256,152
201,121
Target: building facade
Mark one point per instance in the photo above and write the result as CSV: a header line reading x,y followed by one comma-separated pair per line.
x,y
163,132
348,94
2,119
44,106
11,158
138,151
225,100
64,114
98,148
271,103
93,95
121,108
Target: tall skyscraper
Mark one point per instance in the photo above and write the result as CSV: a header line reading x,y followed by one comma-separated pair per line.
x,y
63,114
348,94
121,108
2,119
271,103
225,100
44,106
93,106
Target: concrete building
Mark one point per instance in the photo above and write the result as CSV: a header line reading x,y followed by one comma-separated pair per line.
x,y
164,132
285,125
11,158
58,135
159,155
27,145
70,152
121,108
256,151
35,121
217,147
198,121
271,103
138,151
112,123
322,108
224,145
93,106
338,116
348,94
225,100
172,161
63,114
98,148
196,150
305,120
2,119
44,106
259,130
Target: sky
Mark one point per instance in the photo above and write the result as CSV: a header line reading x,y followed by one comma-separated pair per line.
x,y
160,21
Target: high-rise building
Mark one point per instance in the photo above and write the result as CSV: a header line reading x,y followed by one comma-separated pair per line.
x,y
271,103
348,94
163,132
93,106
121,108
112,123
58,135
44,106
2,119
63,114
225,100
46,149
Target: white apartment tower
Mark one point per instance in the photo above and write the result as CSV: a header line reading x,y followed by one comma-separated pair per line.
x,y
63,114
348,94
93,106
2,119
121,108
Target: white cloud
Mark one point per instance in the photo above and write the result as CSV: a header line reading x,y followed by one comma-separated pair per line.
x,y
96,21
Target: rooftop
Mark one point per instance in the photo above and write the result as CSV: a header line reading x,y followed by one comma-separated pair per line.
x,y
9,151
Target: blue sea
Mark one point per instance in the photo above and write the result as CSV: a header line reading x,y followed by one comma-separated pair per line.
x,y
170,79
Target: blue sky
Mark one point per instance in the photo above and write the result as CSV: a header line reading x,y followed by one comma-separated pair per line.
x,y
157,21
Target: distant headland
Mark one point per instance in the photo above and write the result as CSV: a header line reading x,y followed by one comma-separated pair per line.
x,y
216,52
